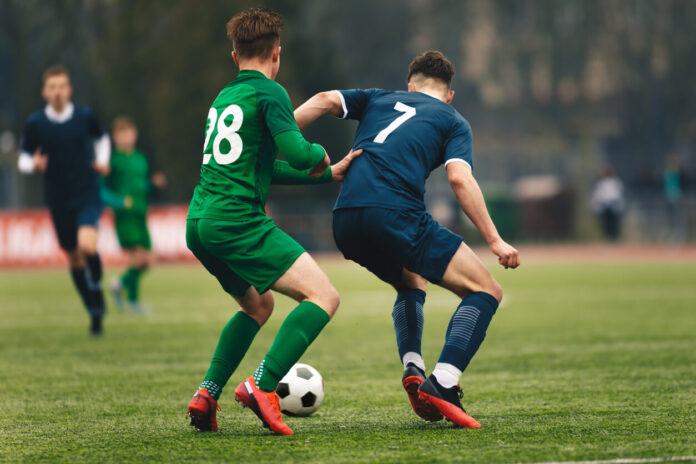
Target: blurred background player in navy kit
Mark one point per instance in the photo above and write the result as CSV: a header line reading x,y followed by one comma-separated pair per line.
x,y
66,143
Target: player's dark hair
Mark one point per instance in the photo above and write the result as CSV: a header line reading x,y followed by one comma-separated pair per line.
x,y
121,123
57,70
255,32
432,64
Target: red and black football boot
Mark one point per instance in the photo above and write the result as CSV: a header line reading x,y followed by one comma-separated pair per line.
x,y
202,410
265,405
446,400
412,379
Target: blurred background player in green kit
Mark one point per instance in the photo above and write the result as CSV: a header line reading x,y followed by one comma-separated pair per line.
x,y
126,189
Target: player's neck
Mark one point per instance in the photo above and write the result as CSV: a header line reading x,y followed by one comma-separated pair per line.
x,y
435,93
126,150
264,67
59,108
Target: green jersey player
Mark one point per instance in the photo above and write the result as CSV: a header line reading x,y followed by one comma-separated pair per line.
x,y
229,232
126,189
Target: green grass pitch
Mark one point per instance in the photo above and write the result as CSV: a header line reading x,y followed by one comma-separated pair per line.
x,y
582,362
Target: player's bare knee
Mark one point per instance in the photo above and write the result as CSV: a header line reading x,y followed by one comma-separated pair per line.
x,y
328,300
495,290
87,249
75,259
260,313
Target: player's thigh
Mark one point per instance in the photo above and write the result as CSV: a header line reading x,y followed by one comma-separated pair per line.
x,y
304,280
375,238
410,280
140,257
466,273
87,223
87,237
228,279
131,231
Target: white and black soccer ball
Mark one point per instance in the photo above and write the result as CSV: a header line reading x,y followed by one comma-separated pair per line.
x,y
301,391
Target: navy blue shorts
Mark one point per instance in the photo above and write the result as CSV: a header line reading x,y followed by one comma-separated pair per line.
x,y
67,221
385,241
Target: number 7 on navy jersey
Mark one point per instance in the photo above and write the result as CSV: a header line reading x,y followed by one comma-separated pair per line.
x,y
408,111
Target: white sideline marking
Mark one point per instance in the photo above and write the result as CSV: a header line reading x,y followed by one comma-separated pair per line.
x,y
626,460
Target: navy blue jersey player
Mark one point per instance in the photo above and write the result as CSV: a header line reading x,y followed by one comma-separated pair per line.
x,y
380,221
67,144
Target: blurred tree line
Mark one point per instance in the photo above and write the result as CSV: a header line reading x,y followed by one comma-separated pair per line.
x,y
549,86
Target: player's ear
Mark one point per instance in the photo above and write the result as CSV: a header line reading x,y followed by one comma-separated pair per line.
x,y
450,96
235,57
411,87
276,53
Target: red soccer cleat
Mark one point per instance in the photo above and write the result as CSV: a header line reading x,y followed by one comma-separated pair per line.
x,y
412,379
264,404
447,401
202,410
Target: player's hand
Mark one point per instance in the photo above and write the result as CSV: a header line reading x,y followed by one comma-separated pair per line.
x,y
159,180
128,202
320,167
339,170
508,257
40,161
102,169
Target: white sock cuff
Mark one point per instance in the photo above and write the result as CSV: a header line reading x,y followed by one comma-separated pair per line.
x,y
413,358
446,374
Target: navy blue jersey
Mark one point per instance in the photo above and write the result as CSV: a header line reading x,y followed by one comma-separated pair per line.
x,y
404,137
70,180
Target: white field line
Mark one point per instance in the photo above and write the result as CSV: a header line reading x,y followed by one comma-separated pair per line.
x,y
627,460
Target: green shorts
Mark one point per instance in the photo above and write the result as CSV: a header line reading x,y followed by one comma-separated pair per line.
x,y
254,252
131,230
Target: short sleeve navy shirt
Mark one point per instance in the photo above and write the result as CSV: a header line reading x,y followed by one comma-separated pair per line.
x,y
404,137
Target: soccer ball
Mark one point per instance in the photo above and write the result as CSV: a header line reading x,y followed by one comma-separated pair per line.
x,y
301,391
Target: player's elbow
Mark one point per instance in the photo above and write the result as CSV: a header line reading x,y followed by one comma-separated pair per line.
x,y
330,102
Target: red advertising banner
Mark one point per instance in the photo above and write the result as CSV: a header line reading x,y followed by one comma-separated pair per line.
x,y
27,238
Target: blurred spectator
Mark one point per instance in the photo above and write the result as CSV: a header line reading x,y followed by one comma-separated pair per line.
x,y
674,193
608,203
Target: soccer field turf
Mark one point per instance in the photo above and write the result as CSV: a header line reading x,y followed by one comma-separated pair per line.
x,y
581,362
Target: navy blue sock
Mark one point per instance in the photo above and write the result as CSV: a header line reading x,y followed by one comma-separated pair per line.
x,y
79,278
94,277
467,329
408,320
94,265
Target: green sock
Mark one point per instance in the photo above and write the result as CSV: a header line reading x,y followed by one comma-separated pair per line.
x,y
298,331
131,281
233,344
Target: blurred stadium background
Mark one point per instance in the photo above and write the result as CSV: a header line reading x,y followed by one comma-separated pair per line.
x,y
554,90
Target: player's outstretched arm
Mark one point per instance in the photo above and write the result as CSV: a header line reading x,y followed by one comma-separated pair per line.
x,y
317,106
284,174
471,200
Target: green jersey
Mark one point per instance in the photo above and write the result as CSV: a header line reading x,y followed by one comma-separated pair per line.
x,y
128,178
248,121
